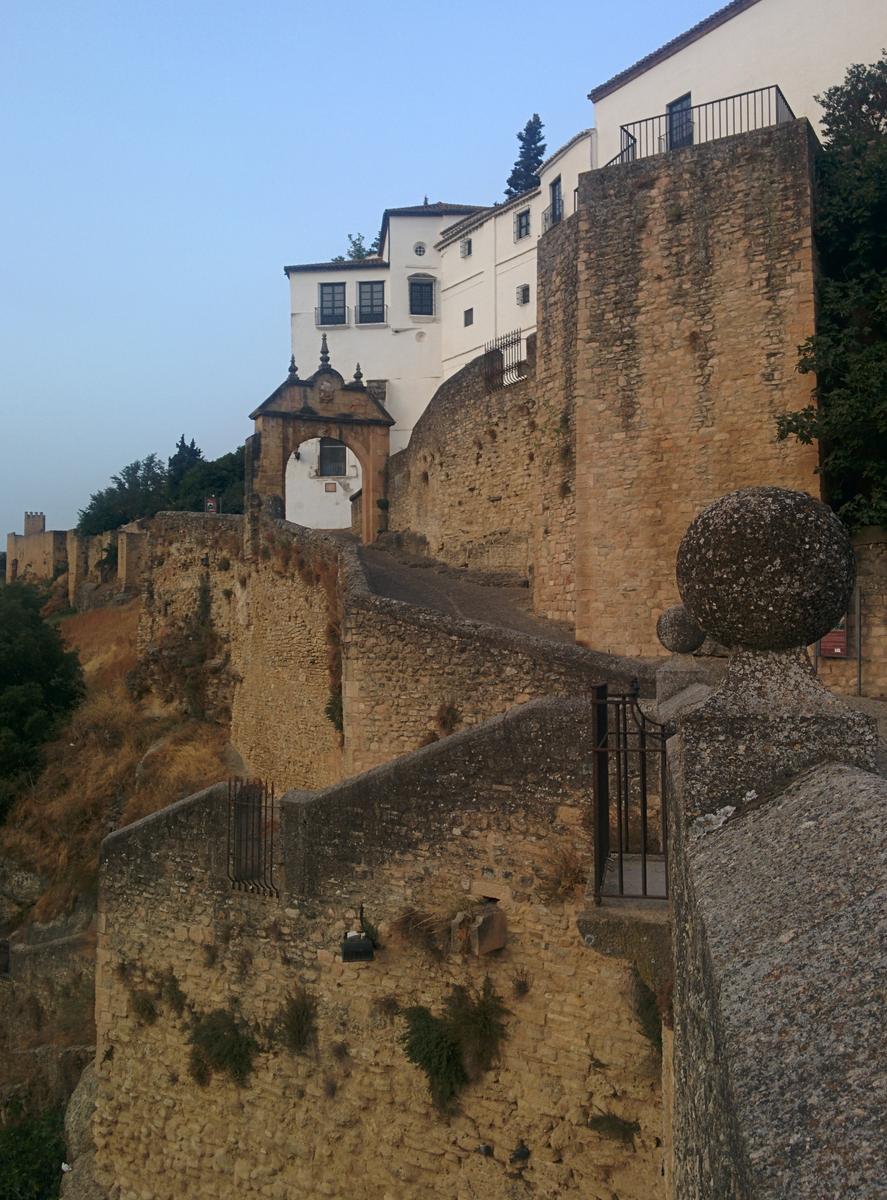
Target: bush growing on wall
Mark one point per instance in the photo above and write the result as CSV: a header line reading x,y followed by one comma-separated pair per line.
x,y
32,1148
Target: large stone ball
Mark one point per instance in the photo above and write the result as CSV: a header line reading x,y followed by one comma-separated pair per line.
x,y
678,631
766,568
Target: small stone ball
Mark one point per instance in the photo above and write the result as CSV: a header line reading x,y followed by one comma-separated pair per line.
x,y
678,632
766,568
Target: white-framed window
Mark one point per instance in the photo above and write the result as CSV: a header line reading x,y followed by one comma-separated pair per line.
x,y
521,224
371,303
468,316
465,248
331,309
523,293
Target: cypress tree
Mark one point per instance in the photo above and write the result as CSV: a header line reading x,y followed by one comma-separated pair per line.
x,y
524,174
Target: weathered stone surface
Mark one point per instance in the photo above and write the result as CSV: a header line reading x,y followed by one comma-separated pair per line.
x,y
678,631
78,1114
766,568
779,1051
769,719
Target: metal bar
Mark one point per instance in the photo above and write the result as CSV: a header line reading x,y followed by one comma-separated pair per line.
x,y
642,741
600,783
858,614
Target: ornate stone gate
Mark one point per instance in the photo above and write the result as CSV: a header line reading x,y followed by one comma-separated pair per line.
x,y
323,405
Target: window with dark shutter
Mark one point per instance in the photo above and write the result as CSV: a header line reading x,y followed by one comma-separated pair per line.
x,y
422,297
332,457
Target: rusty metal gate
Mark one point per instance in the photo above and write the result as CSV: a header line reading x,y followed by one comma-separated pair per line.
x,y
252,818
629,794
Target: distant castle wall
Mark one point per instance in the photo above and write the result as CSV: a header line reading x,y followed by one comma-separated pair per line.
x,y
35,556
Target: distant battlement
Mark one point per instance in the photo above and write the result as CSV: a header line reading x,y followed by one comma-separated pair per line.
x,y
35,522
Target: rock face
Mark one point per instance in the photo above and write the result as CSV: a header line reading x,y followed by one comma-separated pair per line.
x,y
766,569
80,1182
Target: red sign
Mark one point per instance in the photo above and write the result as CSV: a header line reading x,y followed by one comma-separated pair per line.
x,y
211,504
834,644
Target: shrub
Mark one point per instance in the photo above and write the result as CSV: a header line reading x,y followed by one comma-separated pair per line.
x,y
32,1147
611,1126
420,930
458,1046
340,1051
428,1042
298,1021
448,717
219,1042
144,1007
333,710
565,875
520,983
387,1007
172,994
476,1022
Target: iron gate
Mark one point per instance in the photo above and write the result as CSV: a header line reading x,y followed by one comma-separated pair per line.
x,y
251,824
629,794
503,360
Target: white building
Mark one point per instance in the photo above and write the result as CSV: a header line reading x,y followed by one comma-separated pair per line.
x,y
668,98
488,259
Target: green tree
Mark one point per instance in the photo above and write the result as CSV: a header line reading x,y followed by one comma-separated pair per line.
x,y
40,682
32,1147
849,351
140,490
186,455
358,250
221,477
525,172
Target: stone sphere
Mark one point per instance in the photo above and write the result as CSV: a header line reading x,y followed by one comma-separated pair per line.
x,y
766,568
678,632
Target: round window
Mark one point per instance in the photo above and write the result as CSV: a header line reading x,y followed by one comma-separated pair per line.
x,y
419,249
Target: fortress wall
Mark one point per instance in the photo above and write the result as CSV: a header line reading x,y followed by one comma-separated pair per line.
x,y
694,280
404,665
35,556
476,815
272,622
466,482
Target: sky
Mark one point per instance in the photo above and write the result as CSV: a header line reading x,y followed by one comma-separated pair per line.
x,y
161,162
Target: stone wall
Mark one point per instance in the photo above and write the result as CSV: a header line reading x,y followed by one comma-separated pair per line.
x,y
274,627
408,671
694,285
35,556
870,679
478,815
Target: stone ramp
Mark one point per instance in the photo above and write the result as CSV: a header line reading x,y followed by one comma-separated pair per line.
x,y
427,583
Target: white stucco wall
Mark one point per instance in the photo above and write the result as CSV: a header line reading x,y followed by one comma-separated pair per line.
x,y
487,281
319,501
803,46
405,351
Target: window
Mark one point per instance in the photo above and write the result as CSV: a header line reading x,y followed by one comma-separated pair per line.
x,y
331,460
371,303
468,316
555,211
419,249
679,123
465,248
523,294
332,309
522,224
422,297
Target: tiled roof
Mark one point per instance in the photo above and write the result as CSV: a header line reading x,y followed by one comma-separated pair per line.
x,y
438,209
356,264
479,216
685,39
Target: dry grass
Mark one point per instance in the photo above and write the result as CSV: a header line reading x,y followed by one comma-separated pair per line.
x,y
566,874
115,762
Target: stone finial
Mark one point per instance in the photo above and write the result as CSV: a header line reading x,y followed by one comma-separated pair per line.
x,y
293,372
765,568
678,632
358,374
324,352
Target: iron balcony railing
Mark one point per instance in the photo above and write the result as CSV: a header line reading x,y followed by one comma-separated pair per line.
x,y
252,819
371,316
504,360
691,126
332,316
553,215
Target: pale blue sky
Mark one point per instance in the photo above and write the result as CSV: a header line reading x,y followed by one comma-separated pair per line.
x,y
162,161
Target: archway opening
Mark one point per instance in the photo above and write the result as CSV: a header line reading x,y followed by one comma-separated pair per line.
x,y
322,475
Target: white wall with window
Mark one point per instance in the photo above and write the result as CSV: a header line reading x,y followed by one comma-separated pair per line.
x,y
383,313
802,46
321,478
496,277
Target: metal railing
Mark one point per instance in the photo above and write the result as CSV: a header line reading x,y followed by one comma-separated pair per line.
x,y
332,316
504,361
691,126
629,792
553,215
252,817
371,316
